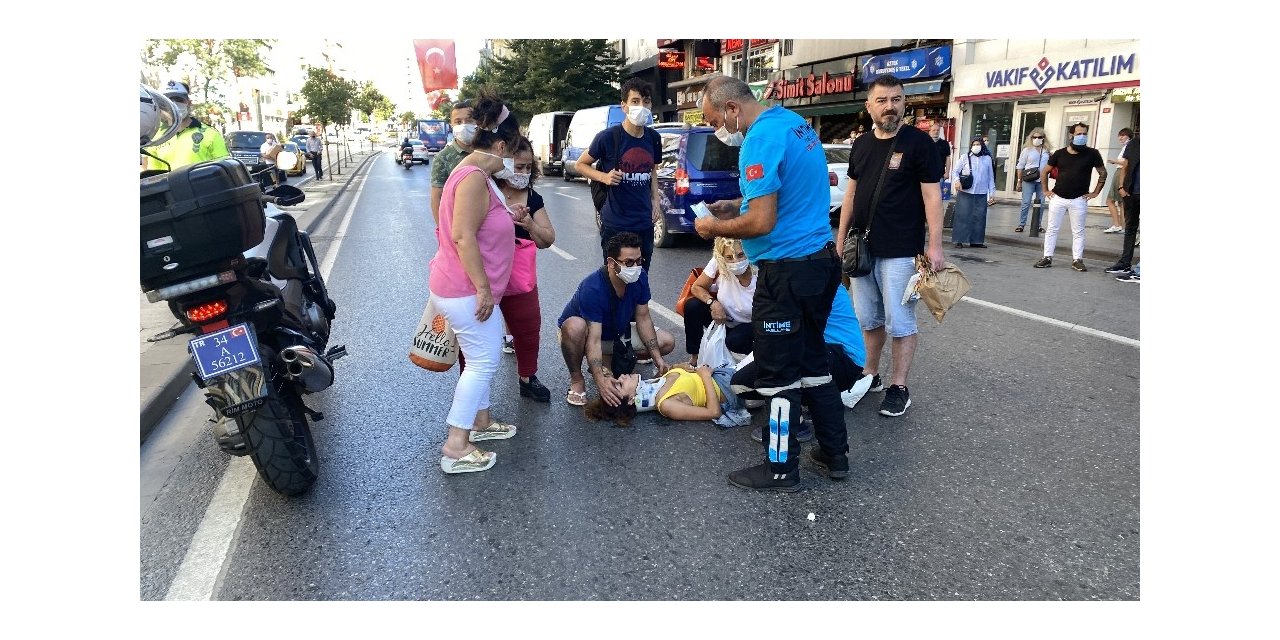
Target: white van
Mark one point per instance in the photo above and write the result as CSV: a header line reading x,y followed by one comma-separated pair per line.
x,y
584,126
547,132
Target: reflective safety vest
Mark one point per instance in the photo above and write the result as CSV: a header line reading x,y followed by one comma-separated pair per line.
x,y
196,143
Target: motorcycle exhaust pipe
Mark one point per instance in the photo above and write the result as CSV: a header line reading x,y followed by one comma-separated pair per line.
x,y
306,368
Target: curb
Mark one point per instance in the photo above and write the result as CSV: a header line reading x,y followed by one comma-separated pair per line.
x,y
156,405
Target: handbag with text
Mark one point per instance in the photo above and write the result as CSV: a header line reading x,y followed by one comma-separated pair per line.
x,y
434,347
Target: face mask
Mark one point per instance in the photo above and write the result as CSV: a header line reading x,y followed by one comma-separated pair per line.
x,y
738,268
732,139
1080,139
518,180
508,166
629,274
1037,142
465,133
976,149
638,115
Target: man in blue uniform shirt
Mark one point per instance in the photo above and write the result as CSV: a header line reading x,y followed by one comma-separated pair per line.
x,y
785,229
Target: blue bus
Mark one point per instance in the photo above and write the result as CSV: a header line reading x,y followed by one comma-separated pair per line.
x,y
434,134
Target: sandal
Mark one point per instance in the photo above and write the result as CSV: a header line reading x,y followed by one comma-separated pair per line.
x,y
495,431
478,460
1018,229
576,398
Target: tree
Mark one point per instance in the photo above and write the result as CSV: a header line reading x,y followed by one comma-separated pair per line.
x,y
368,99
212,68
385,110
444,109
329,97
407,119
551,75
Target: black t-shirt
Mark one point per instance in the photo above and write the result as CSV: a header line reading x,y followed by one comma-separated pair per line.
x,y
944,151
1075,171
535,203
898,228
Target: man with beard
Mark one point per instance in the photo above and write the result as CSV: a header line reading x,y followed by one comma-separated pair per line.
x,y
944,148
907,162
1069,193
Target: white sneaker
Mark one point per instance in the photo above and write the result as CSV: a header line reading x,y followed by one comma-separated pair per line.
x,y
508,344
855,393
1113,229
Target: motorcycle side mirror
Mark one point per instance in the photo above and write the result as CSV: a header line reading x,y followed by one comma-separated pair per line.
x,y
286,159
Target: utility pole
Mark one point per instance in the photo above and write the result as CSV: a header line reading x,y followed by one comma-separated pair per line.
x,y
746,61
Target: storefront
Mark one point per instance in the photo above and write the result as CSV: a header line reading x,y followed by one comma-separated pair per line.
x,y
825,93
1003,101
923,73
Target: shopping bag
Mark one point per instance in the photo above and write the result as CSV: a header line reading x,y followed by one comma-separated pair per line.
x,y
940,290
434,347
687,290
712,351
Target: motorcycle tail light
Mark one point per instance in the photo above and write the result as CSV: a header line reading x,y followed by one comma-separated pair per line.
x,y
831,177
207,311
682,182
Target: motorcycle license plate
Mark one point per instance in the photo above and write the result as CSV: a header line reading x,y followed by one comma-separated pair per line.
x,y
222,352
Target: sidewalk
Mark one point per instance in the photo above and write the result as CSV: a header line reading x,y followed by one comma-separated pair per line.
x,y
166,366
1002,217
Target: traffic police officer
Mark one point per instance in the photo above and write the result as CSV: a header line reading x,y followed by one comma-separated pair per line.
x,y
197,142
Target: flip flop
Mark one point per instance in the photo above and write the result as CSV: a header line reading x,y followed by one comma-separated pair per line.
x,y
576,398
477,460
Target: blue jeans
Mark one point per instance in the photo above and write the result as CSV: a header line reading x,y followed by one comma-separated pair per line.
x,y
1029,188
971,218
877,297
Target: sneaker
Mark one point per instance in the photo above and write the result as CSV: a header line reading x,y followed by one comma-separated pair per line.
x,y
834,467
508,344
860,388
1113,229
876,384
1078,265
896,401
1118,268
762,478
1044,262
534,389
1130,277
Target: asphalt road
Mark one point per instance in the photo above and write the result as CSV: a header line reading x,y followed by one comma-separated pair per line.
x,y
1013,476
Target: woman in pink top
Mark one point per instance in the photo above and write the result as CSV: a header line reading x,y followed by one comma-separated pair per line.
x,y
469,275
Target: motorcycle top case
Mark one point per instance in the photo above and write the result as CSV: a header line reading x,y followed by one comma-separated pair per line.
x,y
197,220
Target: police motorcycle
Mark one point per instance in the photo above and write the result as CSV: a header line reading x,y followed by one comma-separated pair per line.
x,y
243,280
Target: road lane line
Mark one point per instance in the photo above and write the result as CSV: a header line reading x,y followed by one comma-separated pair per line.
x,y
561,252
1130,342
567,195
666,313
201,567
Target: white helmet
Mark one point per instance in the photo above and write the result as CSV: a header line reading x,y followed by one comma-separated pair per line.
x,y
158,117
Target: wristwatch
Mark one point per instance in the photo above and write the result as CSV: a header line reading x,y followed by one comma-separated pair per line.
x,y
710,300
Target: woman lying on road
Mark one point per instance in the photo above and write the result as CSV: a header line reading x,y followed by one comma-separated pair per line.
x,y
680,394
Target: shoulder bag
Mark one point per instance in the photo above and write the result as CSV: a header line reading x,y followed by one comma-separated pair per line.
x,y
966,181
856,260
1031,174
600,190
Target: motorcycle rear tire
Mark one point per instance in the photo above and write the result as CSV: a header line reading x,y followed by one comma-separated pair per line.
x,y
280,443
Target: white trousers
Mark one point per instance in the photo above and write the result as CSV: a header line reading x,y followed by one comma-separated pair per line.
x,y
1057,207
481,343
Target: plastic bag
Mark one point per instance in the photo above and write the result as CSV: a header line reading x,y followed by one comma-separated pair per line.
x,y
712,351
434,347
942,289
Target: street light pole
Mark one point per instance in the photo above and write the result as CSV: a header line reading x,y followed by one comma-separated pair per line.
x,y
746,61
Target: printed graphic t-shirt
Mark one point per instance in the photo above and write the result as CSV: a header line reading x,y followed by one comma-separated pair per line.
x,y
630,203
782,154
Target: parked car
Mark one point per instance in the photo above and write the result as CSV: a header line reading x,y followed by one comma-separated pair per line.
x,y
696,167
299,167
837,176
583,127
245,146
420,152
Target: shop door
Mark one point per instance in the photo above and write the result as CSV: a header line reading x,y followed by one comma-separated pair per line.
x,y
1027,119
993,121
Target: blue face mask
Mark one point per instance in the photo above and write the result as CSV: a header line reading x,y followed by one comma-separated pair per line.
x,y
1080,139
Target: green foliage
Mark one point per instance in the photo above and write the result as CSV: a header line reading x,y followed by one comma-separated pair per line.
x,y
442,112
551,75
329,98
368,99
210,67
407,119
384,110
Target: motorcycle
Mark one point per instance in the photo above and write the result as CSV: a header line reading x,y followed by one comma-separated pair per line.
x,y
239,275
406,158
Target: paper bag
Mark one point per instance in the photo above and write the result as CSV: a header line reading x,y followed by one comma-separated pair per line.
x,y
942,289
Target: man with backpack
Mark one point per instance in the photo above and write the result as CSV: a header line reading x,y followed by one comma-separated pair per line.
x,y
629,154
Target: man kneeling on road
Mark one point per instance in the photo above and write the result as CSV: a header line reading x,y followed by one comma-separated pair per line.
x,y
601,311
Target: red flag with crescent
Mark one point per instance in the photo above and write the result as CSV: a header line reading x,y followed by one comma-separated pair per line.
x,y
437,64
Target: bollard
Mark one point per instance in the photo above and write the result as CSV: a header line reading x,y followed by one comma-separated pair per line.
x,y
1034,230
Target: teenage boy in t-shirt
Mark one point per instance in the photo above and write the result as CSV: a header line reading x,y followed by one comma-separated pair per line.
x,y
633,203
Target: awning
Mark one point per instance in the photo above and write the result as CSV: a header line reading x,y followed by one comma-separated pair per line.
x,y
693,81
920,88
829,109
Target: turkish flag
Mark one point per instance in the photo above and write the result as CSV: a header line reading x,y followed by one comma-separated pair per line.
x,y
755,171
437,64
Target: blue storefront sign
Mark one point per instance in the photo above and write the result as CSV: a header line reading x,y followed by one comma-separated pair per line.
x,y
911,64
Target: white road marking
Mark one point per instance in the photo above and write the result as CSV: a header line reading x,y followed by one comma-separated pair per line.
x,y
198,574
666,313
568,196
561,252
1129,342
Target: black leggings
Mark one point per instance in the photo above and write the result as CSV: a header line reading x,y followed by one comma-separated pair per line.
x,y
697,316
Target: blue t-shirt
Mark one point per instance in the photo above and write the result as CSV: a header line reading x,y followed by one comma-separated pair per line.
x,y
782,154
843,328
630,203
591,303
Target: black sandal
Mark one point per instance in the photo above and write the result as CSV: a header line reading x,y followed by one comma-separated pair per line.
x,y
1018,230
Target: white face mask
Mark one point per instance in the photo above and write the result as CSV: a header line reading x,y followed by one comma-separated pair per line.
x,y
976,149
465,133
1037,142
638,115
732,139
629,274
518,180
739,268
508,166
